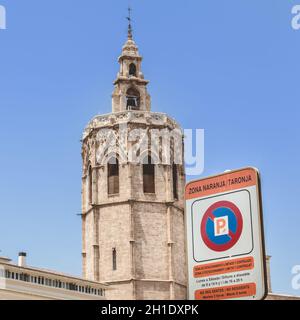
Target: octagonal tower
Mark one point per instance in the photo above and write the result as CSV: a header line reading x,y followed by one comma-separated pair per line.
x,y
133,193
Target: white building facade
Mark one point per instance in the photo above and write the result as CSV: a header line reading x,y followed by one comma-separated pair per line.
x,y
22,282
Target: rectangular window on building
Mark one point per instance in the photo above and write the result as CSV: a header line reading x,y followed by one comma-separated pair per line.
x,y
114,259
175,181
113,176
148,176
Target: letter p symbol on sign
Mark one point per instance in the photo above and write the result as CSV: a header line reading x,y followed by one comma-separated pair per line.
x,y
221,226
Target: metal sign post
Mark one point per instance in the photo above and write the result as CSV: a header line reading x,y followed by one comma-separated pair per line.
x,y
225,239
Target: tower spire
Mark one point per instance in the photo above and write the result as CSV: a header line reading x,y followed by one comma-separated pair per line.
x,y
130,91
129,23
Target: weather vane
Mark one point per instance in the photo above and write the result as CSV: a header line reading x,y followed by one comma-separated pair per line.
x,y
129,23
129,14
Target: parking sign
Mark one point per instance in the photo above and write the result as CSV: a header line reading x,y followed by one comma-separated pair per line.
x,y
225,242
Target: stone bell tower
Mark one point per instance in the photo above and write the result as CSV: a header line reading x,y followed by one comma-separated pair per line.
x,y
133,193
130,86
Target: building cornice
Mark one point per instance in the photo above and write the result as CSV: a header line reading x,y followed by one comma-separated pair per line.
x,y
130,202
145,280
129,116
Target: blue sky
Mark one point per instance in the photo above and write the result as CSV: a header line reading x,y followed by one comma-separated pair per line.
x,y
231,67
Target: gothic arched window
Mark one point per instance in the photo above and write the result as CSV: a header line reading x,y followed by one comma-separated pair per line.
x,y
113,176
90,185
175,181
132,70
133,99
148,175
